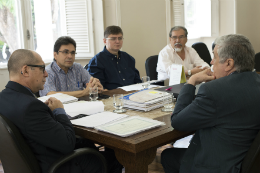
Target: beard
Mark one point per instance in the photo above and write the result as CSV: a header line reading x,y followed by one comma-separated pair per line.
x,y
178,49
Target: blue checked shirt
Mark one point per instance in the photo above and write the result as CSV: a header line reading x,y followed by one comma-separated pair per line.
x,y
76,78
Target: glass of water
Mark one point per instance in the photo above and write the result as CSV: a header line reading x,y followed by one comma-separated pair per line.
x,y
168,102
118,103
146,82
93,93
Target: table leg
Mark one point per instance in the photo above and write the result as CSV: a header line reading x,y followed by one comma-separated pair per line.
x,y
136,162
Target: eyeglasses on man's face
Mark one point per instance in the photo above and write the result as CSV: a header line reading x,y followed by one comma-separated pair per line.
x,y
115,38
40,66
66,52
180,37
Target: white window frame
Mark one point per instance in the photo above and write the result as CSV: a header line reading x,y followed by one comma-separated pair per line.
x,y
81,53
25,26
177,15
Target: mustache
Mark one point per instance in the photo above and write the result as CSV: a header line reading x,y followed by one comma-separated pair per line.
x,y
177,44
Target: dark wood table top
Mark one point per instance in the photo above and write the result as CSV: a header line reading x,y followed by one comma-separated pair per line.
x,y
137,151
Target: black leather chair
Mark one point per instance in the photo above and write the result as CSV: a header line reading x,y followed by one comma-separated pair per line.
x,y
257,62
86,67
16,156
150,67
213,46
203,51
251,162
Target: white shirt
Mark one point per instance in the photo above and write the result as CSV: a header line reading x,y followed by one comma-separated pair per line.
x,y
169,56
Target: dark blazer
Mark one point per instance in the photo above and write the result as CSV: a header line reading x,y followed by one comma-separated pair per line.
x,y
226,117
49,136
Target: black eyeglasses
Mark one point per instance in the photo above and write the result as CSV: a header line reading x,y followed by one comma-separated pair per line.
x,y
66,52
40,66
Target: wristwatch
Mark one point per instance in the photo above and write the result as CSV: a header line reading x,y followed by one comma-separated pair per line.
x,y
189,72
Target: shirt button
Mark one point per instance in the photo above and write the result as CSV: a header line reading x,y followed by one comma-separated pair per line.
x,y
119,58
123,79
112,58
117,62
115,56
119,72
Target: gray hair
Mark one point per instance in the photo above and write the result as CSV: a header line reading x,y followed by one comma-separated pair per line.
x,y
19,58
237,47
177,28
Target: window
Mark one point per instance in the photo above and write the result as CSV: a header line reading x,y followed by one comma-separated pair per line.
x,y
36,25
9,29
200,17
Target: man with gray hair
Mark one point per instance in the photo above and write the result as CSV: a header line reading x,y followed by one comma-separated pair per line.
x,y
178,53
224,114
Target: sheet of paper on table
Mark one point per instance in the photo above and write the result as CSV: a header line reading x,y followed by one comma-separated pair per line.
x,y
139,86
84,107
64,98
130,126
98,119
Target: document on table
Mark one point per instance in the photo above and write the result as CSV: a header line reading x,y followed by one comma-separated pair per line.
x,y
64,98
177,74
129,126
98,119
84,107
137,87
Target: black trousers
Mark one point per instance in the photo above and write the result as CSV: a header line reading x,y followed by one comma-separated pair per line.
x,y
89,163
171,159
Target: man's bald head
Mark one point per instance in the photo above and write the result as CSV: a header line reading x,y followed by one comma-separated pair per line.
x,y
19,58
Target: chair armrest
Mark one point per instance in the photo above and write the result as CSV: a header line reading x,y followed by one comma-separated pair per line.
x,y
77,153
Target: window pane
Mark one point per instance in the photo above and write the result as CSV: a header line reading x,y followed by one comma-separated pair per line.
x,y
198,18
46,24
9,31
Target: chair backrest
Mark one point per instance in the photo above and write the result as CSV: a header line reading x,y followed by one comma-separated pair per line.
x,y
203,51
150,67
257,62
86,67
251,162
15,154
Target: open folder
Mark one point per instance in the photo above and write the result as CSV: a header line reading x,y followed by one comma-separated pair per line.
x,y
130,126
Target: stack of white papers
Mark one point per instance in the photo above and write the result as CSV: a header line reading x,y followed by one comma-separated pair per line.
x,y
129,126
144,100
84,107
64,98
98,119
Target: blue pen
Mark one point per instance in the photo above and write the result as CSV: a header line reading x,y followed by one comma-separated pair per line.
x,y
78,84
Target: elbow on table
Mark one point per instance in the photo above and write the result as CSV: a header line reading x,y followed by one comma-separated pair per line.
x,y
179,126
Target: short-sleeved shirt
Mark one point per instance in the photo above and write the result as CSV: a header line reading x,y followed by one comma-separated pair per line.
x,y
114,72
57,80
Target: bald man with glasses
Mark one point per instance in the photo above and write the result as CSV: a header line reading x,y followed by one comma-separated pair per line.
x,y
114,68
178,53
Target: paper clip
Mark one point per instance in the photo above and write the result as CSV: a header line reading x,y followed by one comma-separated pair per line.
x,y
168,89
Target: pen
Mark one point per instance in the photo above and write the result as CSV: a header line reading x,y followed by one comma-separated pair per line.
x,y
78,84
168,89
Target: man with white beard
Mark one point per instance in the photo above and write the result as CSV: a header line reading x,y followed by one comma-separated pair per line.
x,y
177,53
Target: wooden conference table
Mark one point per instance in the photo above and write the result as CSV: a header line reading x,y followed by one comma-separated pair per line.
x,y
136,152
